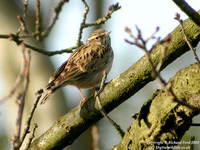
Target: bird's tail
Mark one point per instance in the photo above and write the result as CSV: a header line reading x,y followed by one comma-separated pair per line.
x,y
49,93
47,96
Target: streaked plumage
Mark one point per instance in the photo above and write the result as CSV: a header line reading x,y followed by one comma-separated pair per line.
x,y
85,66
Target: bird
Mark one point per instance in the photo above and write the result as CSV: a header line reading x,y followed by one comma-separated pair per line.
x,y
85,66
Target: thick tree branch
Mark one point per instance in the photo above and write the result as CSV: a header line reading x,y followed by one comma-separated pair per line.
x,y
67,128
190,12
161,120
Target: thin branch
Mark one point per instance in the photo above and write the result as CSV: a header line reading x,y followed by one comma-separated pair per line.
x,y
38,35
95,137
32,136
19,79
22,19
38,22
4,36
163,52
17,40
25,3
102,20
23,25
16,137
195,124
51,53
99,21
21,98
57,11
141,43
177,17
186,8
82,23
117,127
30,116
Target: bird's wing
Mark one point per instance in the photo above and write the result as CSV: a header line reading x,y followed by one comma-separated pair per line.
x,y
61,70
87,59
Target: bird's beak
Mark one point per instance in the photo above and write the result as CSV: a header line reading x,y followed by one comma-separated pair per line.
x,y
107,33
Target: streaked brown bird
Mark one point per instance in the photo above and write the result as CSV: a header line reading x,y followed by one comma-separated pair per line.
x,y
85,66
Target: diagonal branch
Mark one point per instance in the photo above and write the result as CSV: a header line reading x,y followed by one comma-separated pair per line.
x,y
191,13
115,125
186,38
21,97
70,126
161,120
57,10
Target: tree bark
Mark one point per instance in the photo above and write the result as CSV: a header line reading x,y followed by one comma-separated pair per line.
x,y
161,121
67,128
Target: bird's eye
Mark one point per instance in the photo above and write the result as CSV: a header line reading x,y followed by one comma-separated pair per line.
x,y
97,38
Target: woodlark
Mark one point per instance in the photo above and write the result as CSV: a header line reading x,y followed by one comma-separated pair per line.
x,y
85,66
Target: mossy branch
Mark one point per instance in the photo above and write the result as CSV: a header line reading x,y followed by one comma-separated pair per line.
x,y
67,128
162,120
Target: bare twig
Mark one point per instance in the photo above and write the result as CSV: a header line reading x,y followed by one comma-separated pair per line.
x,y
25,3
95,137
16,85
27,125
117,127
177,17
186,8
38,34
30,116
141,43
51,53
82,23
57,11
102,83
16,137
102,20
17,40
32,136
167,41
195,124
99,21
21,98
22,19
19,77
23,25
38,21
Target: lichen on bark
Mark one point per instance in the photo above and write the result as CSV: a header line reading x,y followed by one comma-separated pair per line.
x,y
162,120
